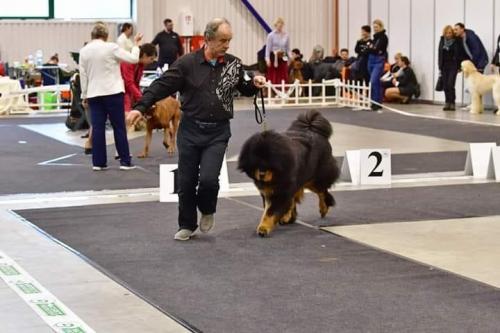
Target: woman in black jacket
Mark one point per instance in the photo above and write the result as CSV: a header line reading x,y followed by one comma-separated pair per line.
x,y
376,60
405,83
360,67
450,55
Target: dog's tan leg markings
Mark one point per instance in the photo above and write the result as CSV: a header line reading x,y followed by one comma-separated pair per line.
x,y
291,215
149,136
267,222
323,207
288,217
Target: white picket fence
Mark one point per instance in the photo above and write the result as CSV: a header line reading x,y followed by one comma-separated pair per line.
x,y
327,93
17,102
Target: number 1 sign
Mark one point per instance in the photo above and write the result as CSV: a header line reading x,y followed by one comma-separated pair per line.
x,y
375,166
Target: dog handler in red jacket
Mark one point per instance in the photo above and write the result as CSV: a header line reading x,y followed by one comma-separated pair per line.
x,y
132,74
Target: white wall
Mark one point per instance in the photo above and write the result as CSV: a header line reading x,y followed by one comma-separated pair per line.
x,y
307,22
414,28
19,38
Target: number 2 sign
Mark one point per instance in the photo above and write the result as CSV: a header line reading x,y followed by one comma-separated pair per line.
x,y
375,166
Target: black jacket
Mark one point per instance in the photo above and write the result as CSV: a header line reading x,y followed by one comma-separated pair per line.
x,y
361,47
453,57
407,79
496,57
379,44
476,48
206,90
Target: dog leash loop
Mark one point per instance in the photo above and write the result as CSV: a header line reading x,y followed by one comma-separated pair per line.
x,y
260,113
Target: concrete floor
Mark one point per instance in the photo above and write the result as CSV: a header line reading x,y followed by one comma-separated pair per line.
x,y
466,247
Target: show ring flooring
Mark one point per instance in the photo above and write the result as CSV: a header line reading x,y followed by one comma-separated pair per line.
x,y
413,257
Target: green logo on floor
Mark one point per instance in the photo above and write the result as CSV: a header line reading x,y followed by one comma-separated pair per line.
x,y
73,330
8,270
28,288
49,308
70,328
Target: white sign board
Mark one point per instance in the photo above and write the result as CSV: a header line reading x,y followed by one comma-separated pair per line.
x,y
350,167
186,26
478,161
367,166
494,169
168,182
375,167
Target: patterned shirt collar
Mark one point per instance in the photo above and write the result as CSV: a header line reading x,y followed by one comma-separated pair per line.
x,y
202,59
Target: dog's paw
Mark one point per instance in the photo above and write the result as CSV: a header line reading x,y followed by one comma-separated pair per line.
x,y
263,232
323,211
142,155
289,218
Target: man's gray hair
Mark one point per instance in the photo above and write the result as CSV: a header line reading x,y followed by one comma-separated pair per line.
x,y
213,26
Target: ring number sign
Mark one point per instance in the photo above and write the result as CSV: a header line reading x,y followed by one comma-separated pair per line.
x,y
375,166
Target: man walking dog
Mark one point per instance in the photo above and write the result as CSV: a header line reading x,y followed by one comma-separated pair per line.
x,y
206,80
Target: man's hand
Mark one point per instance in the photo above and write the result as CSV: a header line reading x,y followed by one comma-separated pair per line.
x,y
138,39
268,63
85,104
133,117
259,81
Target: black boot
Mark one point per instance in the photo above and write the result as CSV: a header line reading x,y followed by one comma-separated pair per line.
x,y
451,107
446,107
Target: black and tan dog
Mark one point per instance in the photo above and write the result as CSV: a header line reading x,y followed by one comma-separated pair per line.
x,y
283,165
165,115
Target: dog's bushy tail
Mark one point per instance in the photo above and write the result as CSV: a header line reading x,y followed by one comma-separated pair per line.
x,y
314,121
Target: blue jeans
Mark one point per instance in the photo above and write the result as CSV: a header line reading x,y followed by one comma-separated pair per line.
x,y
376,69
101,108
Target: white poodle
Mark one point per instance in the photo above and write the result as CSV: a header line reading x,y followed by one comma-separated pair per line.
x,y
480,84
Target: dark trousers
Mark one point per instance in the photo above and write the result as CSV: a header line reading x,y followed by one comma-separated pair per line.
x,y
201,153
449,77
376,69
102,108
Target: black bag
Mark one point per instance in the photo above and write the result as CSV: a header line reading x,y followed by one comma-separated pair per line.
x,y
76,119
417,91
439,84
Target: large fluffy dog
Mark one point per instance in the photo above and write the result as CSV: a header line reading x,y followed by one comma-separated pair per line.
x,y
282,165
480,84
165,115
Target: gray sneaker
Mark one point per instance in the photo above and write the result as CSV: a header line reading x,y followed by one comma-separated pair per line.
x,y
206,222
183,235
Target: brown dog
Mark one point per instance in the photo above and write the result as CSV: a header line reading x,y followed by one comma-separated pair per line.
x,y
165,115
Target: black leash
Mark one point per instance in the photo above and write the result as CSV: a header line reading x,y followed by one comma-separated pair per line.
x,y
260,113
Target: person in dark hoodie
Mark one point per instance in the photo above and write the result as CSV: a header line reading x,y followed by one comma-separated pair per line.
x,y
495,63
377,56
360,68
474,48
450,55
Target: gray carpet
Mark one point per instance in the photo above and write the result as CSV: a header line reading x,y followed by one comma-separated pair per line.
x,y
401,204
299,280
21,174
